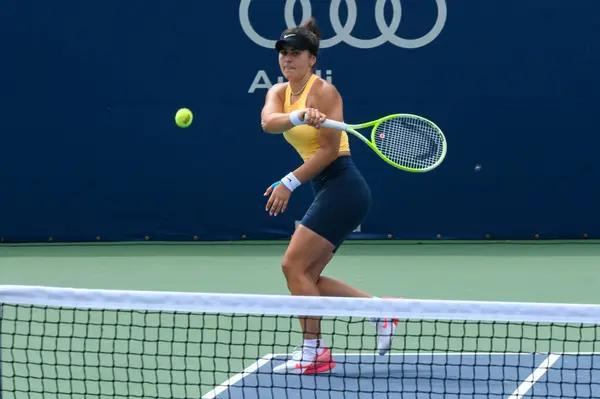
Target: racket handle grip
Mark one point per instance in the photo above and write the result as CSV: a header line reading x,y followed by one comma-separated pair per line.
x,y
334,124
331,124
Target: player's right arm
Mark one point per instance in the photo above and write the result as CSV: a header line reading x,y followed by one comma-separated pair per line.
x,y
273,119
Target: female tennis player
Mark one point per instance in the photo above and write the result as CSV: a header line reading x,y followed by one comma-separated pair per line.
x,y
342,197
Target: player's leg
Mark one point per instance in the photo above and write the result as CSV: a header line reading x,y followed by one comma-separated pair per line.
x,y
321,227
343,204
304,249
329,286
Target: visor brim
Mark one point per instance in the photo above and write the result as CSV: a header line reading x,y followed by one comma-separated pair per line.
x,y
296,42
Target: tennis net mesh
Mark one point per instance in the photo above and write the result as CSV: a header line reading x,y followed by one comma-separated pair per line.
x,y
79,343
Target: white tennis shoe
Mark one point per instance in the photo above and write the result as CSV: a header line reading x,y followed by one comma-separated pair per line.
x,y
307,361
386,328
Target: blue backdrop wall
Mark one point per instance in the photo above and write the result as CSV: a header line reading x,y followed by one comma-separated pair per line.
x,y
89,91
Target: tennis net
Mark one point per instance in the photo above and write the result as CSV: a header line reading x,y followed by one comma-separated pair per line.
x,y
82,343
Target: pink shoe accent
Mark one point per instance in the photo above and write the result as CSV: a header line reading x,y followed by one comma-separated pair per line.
x,y
323,362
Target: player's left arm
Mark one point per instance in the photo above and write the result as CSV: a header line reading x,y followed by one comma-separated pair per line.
x,y
329,102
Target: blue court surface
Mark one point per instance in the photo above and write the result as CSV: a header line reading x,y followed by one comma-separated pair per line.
x,y
425,375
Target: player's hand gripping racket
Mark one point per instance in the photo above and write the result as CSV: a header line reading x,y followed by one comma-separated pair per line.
x,y
408,142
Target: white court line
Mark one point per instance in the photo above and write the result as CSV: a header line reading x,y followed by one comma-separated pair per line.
x,y
271,356
238,377
533,377
519,393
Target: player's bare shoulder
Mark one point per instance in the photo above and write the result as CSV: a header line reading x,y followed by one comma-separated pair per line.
x,y
278,90
325,91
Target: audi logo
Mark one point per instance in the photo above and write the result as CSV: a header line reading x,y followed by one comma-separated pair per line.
x,y
343,32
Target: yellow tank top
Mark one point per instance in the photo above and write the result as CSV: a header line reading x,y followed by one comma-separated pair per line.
x,y
304,138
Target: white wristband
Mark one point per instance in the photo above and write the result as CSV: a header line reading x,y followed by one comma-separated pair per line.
x,y
295,119
291,182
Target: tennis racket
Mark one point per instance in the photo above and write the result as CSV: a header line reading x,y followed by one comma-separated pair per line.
x,y
408,142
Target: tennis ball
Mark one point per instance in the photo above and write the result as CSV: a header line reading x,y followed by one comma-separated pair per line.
x,y
184,117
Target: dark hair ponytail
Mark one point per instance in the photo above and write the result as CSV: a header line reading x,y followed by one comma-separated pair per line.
x,y
311,26
309,30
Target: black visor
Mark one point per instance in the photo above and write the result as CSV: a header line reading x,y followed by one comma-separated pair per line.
x,y
297,41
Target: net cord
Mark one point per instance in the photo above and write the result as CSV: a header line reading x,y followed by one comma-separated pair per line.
x,y
424,309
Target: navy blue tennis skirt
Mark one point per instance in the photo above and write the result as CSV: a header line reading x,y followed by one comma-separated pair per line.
x,y
342,201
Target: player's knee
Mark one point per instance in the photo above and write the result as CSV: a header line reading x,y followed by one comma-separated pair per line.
x,y
292,269
296,272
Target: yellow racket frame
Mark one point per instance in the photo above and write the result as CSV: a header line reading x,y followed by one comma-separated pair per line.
x,y
352,129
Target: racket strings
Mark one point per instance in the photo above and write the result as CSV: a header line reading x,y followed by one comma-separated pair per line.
x,y
410,142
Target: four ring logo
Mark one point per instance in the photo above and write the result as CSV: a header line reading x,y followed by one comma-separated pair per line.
x,y
344,32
